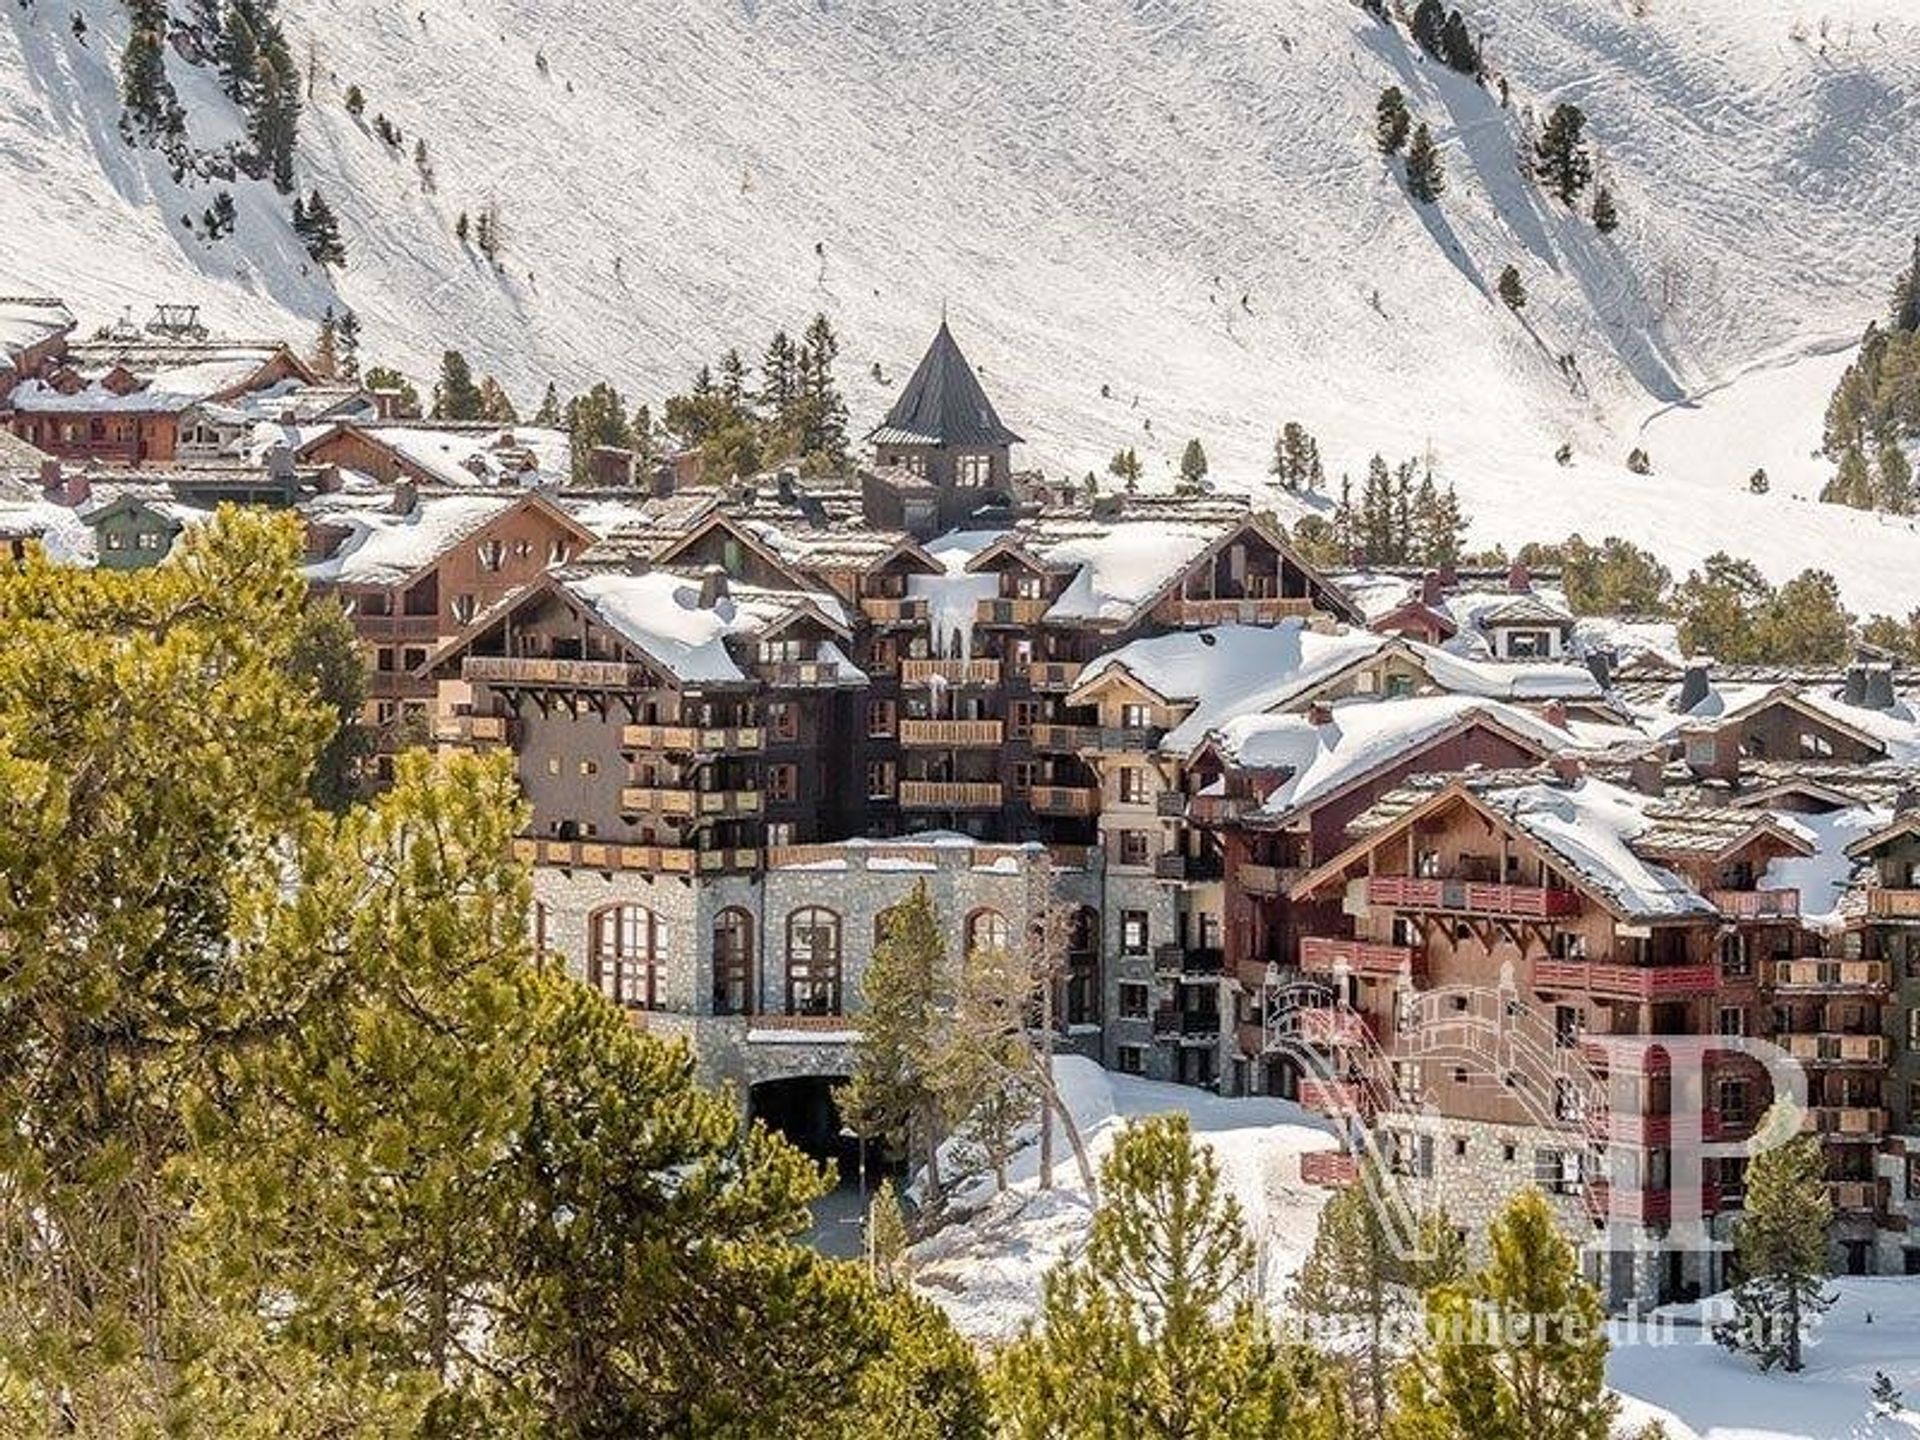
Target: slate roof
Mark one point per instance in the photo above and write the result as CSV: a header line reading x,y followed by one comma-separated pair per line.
x,y
943,404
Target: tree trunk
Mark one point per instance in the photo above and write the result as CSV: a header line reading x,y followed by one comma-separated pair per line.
x,y
1046,1081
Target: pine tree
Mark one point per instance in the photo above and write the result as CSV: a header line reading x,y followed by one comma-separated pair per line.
x,y
1428,26
320,230
1296,458
1780,1251
1426,175
1561,160
1517,1351
1391,121
495,404
780,379
824,423
1758,483
461,228
1354,1280
597,418
1804,623
152,106
1639,462
887,1235
733,379
325,361
894,1093
406,398
455,396
1884,1395
238,53
1852,483
1193,464
549,413
1125,467
1153,1332
220,217
1456,45
1905,317
356,102
347,333
1513,290
1894,492
1719,606
1606,218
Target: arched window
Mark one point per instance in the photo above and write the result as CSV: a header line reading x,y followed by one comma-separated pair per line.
x,y
627,956
813,962
987,931
733,963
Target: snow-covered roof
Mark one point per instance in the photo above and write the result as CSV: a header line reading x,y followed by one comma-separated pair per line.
x,y
386,548
1824,878
29,320
64,536
1896,729
469,455
1506,679
168,379
1361,736
1118,567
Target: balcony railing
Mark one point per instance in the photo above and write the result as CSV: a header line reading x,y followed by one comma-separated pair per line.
x,y
1832,1049
1053,675
397,627
798,674
1320,955
1063,800
526,670
1263,880
1170,804
1112,739
1177,959
1409,892
1756,904
1010,610
1857,1196
951,732
1186,1026
1334,1097
1625,982
891,609
1181,866
1266,611
474,729
1863,1122
950,672
1336,1029
1889,904
1643,1206
948,795
1820,976
1332,1169
692,738
591,855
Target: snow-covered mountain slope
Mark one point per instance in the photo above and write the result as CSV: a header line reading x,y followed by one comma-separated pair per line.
x,y
1149,219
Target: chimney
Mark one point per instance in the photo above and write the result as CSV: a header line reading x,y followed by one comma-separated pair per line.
x,y
1600,666
1879,690
280,463
1519,578
1555,714
406,497
1431,588
50,474
784,486
1907,800
637,561
1693,687
1567,769
1319,713
1856,689
76,488
1648,773
1449,577
713,586
386,403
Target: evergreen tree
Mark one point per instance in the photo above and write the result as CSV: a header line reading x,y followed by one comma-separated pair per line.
x,y
597,418
1615,577
347,335
1125,467
326,655
1905,316
1428,26
644,432
461,228
1606,218
220,217
356,102
780,379
152,106
1852,483
895,1093
824,427
1426,175
1456,45
455,396
320,231
1780,1251
1517,1351
1561,159
549,413
325,361
1513,290
238,53
1884,1395
1153,1333
887,1235
1757,483
1894,493
1639,462
495,404
1805,623
1193,464
1391,121
1720,606
1296,458
406,397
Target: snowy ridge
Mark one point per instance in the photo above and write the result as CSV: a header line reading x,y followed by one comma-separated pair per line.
x,y
1149,221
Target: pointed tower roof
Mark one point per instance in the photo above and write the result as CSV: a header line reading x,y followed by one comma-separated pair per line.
x,y
943,404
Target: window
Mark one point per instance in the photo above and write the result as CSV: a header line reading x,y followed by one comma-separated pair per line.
x,y
589,767
883,654
1130,1059
1815,746
973,471
1134,999
783,782
1021,716
1133,931
493,554
813,962
626,960
150,540
880,779
523,549
779,832
783,720
557,552
1730,1100
733,963
1023,773
1135,717
880,717
1133,785
464,608
1133,847
986,931
773,652
1733,1020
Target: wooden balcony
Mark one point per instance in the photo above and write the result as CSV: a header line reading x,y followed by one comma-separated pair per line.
x,y
1172,804
948,795
1625,982
1320,955
1857,1122
581,674
1856,1197
422,628
713,804
1334,1097
692,739
1063,800
798,674
1825,1048
1472,897
1011,610
1756,904
1054,676
739,859
1334,1029
591,855
1331,1169
1830,976
1189,1027
951,733
474,729
1884,903
1268,611
1266,881
894,609
1643,1206
390,684
950,672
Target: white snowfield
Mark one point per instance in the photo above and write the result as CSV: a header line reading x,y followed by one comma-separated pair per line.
x,y
1148,221
985,1272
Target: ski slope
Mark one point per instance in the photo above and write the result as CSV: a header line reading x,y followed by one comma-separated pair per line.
x,y
1148,219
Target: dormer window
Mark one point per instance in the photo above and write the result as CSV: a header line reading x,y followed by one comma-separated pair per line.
x,y
493,554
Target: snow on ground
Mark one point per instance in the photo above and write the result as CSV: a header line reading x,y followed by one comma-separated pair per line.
x,y
1148,220
985,1270
1678,1374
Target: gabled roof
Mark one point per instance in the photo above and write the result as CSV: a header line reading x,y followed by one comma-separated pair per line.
x,y
387,548
943,404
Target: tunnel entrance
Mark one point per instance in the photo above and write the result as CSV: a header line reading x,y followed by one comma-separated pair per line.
x,y
802,1109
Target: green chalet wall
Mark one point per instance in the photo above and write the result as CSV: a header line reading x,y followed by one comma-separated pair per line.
x,y
131,534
